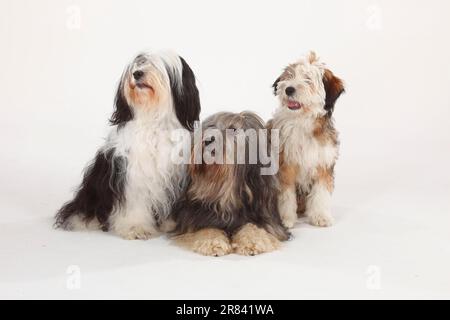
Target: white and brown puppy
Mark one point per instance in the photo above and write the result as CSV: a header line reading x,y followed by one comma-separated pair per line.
x,y
307,91
131,185
229,207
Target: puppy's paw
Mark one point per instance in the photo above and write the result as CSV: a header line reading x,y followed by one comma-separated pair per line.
x,y
136,233
320,219
251,240
289,220
208,242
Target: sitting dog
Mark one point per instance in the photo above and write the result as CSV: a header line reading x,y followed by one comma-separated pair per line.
x,y
229,207
307,91
131,185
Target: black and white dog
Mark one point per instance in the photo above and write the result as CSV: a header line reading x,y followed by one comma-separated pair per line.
x,y
132,183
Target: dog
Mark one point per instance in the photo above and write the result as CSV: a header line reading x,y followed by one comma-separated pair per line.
x,y
309,145
229,206
131,185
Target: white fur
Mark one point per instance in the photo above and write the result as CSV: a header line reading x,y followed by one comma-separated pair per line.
x,y
76,223
300,147
153,181
287,206
318,205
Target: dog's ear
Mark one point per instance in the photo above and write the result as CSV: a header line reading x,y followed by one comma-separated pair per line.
x,y
334,87
122,110
186,99
275,85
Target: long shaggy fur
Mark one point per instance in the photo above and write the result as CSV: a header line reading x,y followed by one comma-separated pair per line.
x,y
131,185
227,197
307,91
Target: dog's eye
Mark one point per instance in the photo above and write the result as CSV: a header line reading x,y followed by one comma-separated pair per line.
x,y
210,140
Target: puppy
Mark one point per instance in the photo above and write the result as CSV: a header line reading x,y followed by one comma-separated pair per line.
x,y
229,206
131,185
307,91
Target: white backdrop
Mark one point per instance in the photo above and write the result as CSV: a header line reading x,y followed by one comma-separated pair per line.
x,y
59,66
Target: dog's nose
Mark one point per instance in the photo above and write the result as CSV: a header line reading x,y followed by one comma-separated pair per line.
x,y
138,74
289,91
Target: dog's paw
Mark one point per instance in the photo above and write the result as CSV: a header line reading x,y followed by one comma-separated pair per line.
x,y
208,242
213,247
136,233
321,219
251,240
78,223
289,220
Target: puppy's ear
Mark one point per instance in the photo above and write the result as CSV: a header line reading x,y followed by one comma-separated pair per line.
x,y
186,99
275,85
334,87
122,110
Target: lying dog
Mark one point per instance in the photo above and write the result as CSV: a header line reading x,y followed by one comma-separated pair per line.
x,y
229,207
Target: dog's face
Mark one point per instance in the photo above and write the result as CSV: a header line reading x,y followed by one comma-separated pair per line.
x,y
161,83
308,87
145,83
218,177
227,137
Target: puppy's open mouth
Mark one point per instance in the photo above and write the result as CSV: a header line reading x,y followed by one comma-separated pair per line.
x,y
293,105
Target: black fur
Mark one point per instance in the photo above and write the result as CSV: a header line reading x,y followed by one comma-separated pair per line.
x,y
275,85
101,190
191,214
186,100
122,111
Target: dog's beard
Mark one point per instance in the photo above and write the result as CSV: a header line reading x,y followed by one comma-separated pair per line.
x,y
215,186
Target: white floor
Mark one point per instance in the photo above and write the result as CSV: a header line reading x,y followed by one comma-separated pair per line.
x,y
390,241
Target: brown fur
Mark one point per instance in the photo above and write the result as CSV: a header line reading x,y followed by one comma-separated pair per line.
x,y
334,87
287,173
301,203
251,240
325,176
146,97
324,131
208,242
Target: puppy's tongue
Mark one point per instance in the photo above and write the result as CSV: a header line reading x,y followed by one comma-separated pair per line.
x,y
293,105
